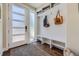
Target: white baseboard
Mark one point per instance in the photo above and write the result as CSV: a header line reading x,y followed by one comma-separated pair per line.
x,y
2,50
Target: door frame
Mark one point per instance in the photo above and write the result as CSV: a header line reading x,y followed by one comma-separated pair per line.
x,y
35,25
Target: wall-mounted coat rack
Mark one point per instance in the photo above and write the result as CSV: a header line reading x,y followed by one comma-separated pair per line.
x,y
51,5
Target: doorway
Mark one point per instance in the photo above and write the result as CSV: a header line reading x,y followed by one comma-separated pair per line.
x,y
17,25
32,26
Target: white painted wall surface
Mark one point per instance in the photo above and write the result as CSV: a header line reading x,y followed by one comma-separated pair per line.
x,y
0,37
1,31
73,28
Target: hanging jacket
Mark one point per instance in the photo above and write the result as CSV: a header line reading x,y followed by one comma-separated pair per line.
x,y
45,22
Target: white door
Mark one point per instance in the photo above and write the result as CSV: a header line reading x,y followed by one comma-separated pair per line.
x,y
17,25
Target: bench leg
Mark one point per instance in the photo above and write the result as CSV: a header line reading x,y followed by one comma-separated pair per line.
x,y
50,44
42,41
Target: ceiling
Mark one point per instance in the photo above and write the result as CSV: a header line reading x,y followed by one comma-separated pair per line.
x,y
36,5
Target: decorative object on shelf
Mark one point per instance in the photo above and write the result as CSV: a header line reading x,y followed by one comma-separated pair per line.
x,y
58,19
45,22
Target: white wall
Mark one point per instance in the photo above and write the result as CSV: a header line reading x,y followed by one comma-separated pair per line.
x,y
73,28
5,26
56,32
1,35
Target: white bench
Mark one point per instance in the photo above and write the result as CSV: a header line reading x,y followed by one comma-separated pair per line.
x,y
41,38
52,41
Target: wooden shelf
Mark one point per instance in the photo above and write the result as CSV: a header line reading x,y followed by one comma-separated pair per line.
x,y
48,7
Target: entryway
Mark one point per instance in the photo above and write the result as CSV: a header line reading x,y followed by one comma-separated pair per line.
x,y
22,25
17,25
